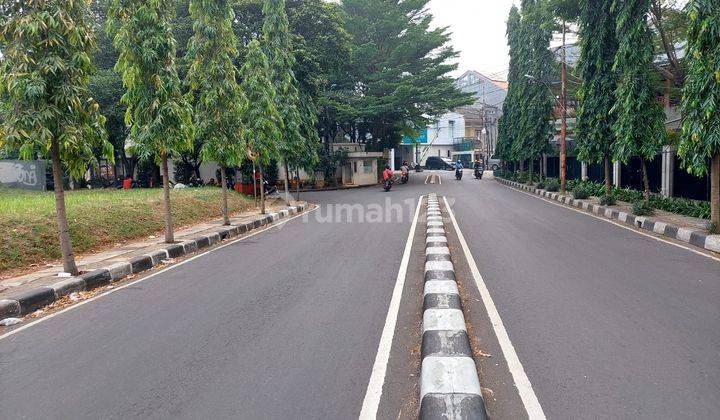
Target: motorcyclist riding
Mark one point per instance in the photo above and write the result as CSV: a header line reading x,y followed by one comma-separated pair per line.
x,y
458,170
388,176
479,168
405,172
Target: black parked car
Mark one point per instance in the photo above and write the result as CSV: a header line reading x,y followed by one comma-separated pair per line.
x,y
437,162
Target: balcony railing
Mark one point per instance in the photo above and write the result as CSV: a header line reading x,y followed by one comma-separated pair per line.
x,y
465,144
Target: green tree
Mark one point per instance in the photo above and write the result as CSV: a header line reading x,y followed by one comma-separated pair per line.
x,y
398,75
320,43
213,79
533,119
508,124
159,117
278,48
700,144
598,47
640,120
45,73
261,119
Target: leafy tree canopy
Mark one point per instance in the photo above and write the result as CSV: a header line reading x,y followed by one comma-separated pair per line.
x,y
701,96
399,71
262,121
159,116
212,77
45,71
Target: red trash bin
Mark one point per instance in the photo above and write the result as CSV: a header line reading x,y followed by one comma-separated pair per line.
x,y
127,183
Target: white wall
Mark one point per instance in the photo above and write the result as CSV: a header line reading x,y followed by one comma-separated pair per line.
x,y
443,132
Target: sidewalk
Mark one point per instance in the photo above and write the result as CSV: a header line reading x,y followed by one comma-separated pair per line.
x,y
130,258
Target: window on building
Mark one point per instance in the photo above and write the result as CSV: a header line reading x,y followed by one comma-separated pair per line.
x,y
368,166
451,128
448,152
355,167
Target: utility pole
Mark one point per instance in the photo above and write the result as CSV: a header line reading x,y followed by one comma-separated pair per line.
x,y
563,130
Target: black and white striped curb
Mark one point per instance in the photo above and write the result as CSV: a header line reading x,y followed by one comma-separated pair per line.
x,y
449,383
694,237
32,300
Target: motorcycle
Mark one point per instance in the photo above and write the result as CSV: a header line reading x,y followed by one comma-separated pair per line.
x,y
478,173
387,185
404,178
458,174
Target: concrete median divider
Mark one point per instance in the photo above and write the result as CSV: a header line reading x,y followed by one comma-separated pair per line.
x,y
449,383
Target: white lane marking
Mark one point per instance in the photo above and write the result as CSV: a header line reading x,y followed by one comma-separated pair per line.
x,y
449,375
443,320
377,378
172,267
682,232
522,382
427,178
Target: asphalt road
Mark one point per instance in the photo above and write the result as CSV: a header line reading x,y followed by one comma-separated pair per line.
x,y
607,323
286,324
283,325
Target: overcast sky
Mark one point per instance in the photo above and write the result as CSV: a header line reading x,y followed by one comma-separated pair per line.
x,y
478,28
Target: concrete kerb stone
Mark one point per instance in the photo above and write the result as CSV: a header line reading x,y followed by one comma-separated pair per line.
x,y
96,278
34,299
712,242
174,251
449,384
27,302
68,286
159,256
119,270
9,308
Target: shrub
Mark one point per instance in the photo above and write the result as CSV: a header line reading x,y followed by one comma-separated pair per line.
x,y
581,191
552,185
540,185
639,208
608,200
522,177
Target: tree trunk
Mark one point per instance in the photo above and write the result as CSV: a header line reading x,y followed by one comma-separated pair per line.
x,y
223,180
530,171
68,257
287,184
715,191
254,177
646,182
608,176
169,237
262,190
298,185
